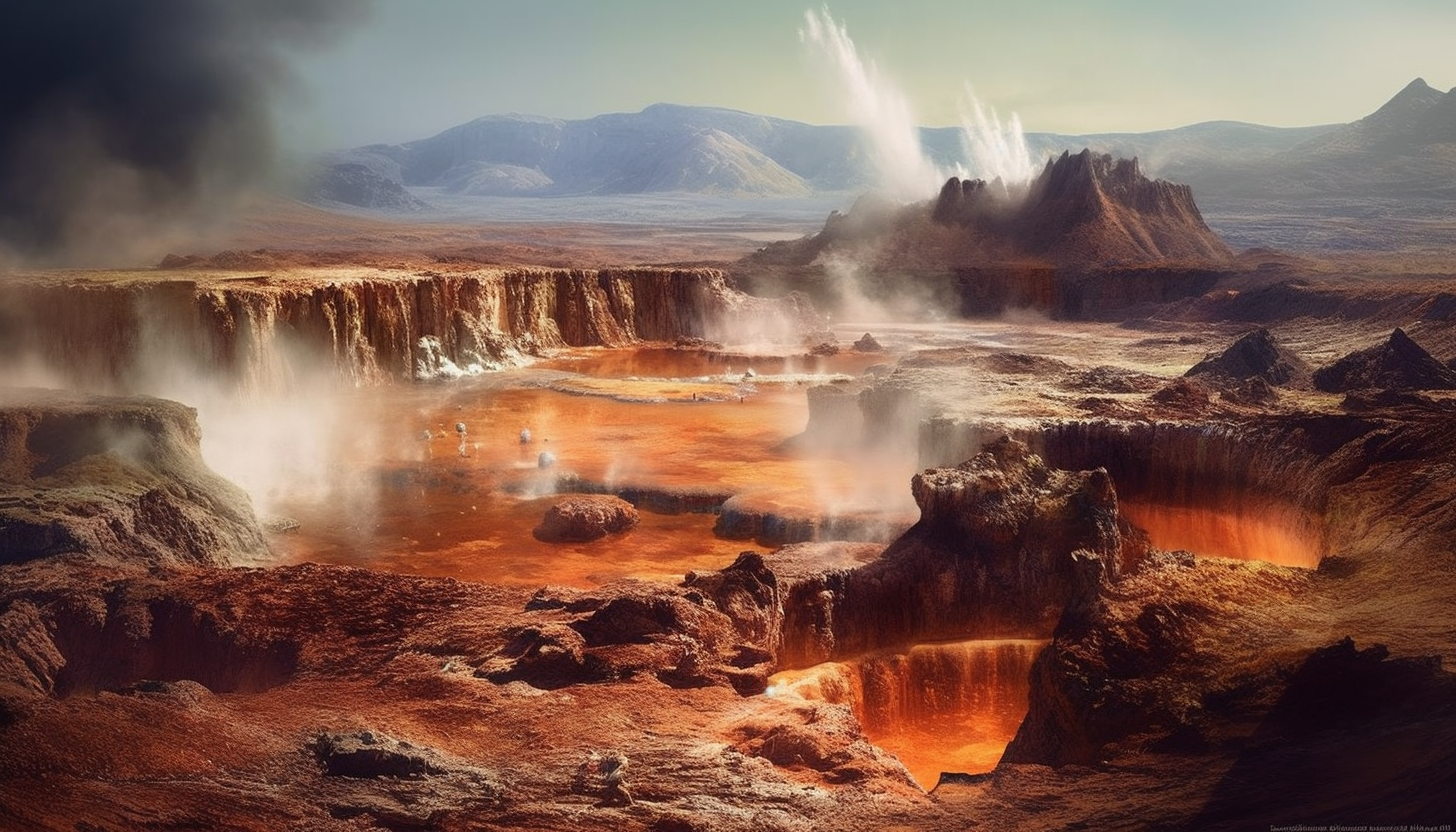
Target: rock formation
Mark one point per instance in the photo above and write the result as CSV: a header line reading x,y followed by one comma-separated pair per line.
x,y
119,480
271,329
1177,690
1255,355
993,555
1090,208
1084,211
583,518
1396,364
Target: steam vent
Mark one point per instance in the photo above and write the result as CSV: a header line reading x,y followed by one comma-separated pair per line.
x,y
1034,503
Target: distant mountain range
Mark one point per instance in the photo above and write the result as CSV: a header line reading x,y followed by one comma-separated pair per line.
x,y
1405,148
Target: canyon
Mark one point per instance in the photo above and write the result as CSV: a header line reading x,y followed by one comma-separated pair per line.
x,y
1053,516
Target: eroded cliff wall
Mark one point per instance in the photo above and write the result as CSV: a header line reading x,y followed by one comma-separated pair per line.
x,y
130,333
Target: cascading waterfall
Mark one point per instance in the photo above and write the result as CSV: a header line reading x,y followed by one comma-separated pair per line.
x,y
264,359
939,707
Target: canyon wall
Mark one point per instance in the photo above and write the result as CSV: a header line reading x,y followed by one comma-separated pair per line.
x,y
1266,481
271,331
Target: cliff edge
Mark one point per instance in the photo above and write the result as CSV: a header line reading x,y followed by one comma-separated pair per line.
x,y
117,480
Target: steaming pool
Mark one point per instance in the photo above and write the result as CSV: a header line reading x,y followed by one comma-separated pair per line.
x,y
390,485
658,419
363,487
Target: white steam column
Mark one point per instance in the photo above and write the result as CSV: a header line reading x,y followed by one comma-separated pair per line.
x,y
992,149
874,104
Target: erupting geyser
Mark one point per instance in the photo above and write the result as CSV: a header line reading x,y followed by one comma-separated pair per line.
x,y
993,151
876,106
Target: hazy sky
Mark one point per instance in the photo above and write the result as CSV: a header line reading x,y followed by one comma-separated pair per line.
x,y
419,66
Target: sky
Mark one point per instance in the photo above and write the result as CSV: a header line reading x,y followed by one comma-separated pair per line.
x,y
416,67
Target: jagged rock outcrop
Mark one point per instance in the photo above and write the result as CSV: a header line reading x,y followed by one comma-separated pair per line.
x,y
272,330
1396,364
115,479
992,555
587,517
1091,208
1084,211
1255,355
1120,666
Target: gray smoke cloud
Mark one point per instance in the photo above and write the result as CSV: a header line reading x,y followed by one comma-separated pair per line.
x,y
117,116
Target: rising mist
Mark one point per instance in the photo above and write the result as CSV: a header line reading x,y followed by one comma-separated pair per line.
x,y
873,102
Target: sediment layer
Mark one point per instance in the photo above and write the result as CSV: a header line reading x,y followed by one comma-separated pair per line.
x,y
361,326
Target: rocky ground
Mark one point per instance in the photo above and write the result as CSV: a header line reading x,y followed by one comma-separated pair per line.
x,y
1178,690
153,675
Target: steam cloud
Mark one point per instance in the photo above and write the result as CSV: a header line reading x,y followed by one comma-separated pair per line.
x,y
117,116
994,150
875,104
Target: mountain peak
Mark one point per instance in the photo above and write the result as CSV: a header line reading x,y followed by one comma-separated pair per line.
x,y
1413,99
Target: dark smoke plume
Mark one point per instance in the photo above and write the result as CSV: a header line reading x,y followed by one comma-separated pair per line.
x,y
117,116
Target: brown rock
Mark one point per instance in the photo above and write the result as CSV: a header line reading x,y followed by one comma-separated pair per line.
x,y
1396,364
1183,394
115,479
587,517
1255,355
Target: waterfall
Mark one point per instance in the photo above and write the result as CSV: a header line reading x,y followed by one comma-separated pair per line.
x,y
949,706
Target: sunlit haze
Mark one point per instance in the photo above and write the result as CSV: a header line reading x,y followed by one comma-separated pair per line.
x,y
417,68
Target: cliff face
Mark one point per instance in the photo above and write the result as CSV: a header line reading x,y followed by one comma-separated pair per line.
x,y
117,480
1000,550
271,330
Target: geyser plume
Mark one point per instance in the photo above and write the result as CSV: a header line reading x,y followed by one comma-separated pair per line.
x,y
878,107
994,150
120,118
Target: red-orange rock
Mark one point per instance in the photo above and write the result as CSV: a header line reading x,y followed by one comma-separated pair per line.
x,y
587,517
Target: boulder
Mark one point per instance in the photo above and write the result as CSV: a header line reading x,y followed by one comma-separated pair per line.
x,y
369,754
587,517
